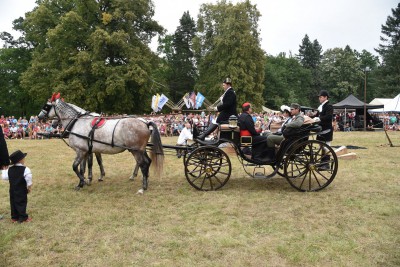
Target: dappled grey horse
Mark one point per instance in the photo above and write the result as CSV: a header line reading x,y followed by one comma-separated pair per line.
x,y
116,136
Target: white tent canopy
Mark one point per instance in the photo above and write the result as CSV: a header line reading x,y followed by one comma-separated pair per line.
x,y
391,106
380,101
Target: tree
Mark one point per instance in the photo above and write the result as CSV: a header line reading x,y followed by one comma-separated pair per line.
x,y
179,55
368,60
15,57
310,55
228,45
94,52
286,81
341,71
389,50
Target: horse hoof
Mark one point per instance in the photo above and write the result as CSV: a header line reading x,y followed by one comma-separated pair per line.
x,y
100,179
132,178
77,188
140,192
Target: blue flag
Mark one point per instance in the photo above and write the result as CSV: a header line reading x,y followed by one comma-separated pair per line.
x,y
199,100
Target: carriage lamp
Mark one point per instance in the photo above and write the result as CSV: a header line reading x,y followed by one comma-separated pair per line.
x,y
233,121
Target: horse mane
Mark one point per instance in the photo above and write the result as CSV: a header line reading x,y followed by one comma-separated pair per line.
x,y
68,110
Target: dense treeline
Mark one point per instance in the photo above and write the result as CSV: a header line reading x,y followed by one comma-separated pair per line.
x,y
96,53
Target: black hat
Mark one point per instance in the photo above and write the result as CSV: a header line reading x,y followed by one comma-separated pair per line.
x,y
323,93
17,156
227,81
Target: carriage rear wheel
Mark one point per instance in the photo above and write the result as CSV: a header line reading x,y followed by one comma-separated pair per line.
x,y
310,166
208,168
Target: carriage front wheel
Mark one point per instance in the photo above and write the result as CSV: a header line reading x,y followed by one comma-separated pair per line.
x,y
207,168
310,166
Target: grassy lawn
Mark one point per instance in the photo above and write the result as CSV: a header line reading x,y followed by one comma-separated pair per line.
x,y
355,221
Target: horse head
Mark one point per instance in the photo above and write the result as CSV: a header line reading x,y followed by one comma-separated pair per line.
x,y
48,110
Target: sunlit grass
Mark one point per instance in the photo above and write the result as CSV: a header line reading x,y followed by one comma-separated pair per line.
x,y
353,222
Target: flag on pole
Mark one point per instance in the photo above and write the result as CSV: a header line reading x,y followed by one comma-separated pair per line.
x,y
186,100
199,100
192,99
161,102
153,103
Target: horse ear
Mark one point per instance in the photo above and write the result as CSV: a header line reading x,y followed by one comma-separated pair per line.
x,y
54,97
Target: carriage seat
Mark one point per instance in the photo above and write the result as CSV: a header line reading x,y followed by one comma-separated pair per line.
x,y
232,134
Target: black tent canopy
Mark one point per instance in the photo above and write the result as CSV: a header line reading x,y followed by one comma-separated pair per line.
x,y
352,102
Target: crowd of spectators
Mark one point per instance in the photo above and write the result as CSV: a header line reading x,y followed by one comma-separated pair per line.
x,y
172,124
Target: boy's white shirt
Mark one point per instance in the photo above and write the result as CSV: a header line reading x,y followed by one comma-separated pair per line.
x,y
184,136
27,174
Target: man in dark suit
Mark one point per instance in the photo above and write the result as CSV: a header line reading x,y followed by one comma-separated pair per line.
x,y
226,108
325,114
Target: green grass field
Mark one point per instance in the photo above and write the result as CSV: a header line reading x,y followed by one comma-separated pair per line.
x,y
355,221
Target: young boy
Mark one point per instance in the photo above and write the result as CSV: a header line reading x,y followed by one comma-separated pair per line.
x,y
20,178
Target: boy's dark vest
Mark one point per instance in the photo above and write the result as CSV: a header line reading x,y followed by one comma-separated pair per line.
x,y
17,180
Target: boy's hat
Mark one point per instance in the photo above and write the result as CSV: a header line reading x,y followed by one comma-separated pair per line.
x,y
17,156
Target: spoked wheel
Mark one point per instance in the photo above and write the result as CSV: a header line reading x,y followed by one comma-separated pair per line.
x,y
208,168
310,166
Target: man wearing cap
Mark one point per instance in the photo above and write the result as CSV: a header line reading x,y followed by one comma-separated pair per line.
x,y
20,178
296,122
226,108
325,115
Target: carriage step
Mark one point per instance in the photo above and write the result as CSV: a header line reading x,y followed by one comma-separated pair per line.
x,y
259,175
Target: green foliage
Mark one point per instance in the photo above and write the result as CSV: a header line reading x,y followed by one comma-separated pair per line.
x,y
310,55
286,81
181,73
389,50
14,60
228,45
95,53
342,73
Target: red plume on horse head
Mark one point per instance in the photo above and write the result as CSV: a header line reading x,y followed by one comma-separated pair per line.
x,y
54,97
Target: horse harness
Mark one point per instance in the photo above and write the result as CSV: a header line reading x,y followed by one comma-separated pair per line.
x,y
90,137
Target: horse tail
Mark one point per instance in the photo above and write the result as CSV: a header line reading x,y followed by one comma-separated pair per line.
x,y
157,155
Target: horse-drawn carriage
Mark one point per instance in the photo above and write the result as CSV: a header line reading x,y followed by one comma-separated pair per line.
x,y
299,158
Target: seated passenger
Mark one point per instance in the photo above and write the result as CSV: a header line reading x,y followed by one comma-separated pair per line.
x,y
296,122
259,143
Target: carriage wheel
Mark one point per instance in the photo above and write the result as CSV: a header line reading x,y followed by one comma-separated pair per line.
x,y
208,168
311,166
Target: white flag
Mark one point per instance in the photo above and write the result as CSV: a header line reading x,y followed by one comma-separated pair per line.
x,y
161,102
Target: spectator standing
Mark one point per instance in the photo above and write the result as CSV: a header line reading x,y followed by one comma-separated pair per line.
x,y
4,157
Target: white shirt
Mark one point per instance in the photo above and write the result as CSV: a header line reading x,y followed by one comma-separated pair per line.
x,y
27,174
184,136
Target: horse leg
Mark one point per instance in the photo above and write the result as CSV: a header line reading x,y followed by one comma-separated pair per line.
x,y
143,161
82,167
79,157
90,168
135,172
100,162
